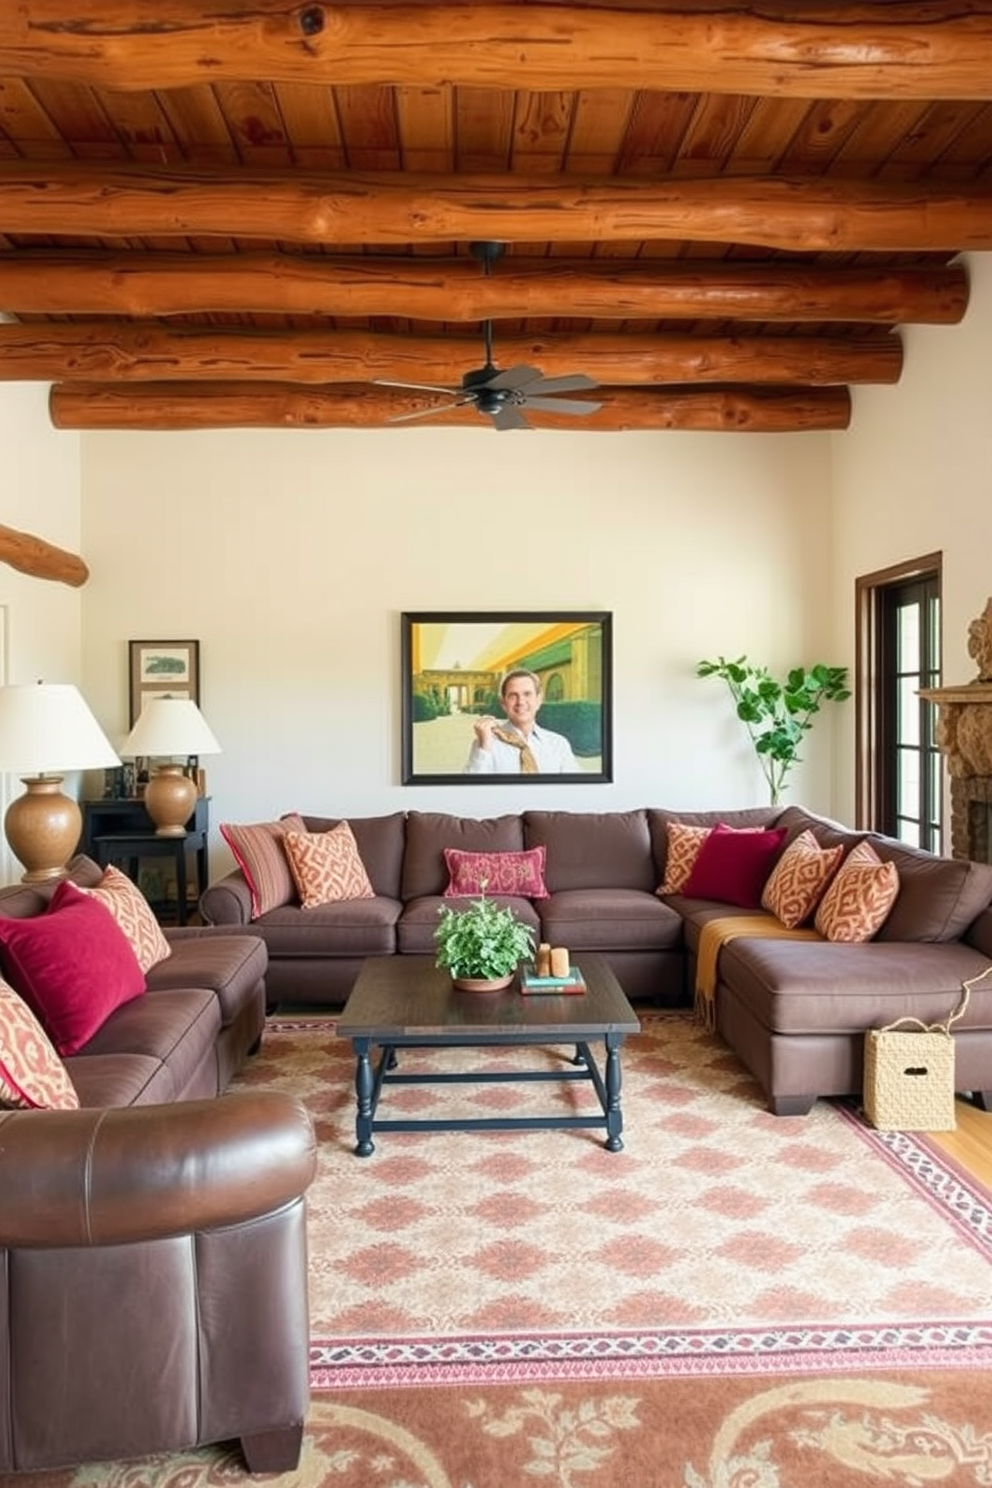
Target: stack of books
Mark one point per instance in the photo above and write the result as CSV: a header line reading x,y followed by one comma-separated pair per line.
x,y
531,983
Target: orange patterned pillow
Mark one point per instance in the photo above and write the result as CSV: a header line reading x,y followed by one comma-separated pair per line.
x,y
856,904
684,843
799,878
133,913
326,866
32,1076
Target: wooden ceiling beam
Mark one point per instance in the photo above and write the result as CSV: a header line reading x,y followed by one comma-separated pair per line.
x,y
148,353
281,406
394,209
40,559
782,48
451,289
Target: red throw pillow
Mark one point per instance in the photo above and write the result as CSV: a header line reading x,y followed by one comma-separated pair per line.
x,y
73,965
518,873
732,866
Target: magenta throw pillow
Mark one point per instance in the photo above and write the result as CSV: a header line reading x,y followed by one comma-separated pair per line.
x,y
519,873
73,965
732,866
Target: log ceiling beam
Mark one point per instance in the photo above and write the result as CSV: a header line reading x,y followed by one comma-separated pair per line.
x,y
40,559
394,209
80,283
170,406
148,352
782,48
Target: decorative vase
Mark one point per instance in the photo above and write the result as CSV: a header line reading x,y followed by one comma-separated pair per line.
x,y
481,984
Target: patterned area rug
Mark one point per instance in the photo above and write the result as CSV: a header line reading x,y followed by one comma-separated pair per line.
x,y
733,1301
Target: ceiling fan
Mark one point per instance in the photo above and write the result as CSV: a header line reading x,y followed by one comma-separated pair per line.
x,y
503,395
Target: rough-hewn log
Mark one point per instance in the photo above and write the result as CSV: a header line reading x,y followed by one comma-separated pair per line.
x,y
42,560
390,208
280,406
153,353
822,50
80,283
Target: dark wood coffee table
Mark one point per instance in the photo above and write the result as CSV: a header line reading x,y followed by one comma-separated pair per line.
x,y
404,1002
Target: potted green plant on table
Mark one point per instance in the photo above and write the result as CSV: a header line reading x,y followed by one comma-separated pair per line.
x,y
777,714
483,945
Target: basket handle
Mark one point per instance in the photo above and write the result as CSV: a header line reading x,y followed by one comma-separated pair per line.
x,y
958,1012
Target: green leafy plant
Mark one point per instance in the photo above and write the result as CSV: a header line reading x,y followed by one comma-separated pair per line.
x,y
484,940
777,714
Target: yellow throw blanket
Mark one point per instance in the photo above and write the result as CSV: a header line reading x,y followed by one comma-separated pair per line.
x,y
714,936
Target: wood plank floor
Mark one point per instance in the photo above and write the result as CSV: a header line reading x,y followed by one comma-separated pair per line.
x,y
971,1144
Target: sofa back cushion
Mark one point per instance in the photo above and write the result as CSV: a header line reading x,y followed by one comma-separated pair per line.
x,y
593,849
938,897
659,819
379,840
428,833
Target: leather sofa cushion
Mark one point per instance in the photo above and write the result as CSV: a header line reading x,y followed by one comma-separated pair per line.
x,y
229,965
379,840
428,833
818,987
416,926
177,1026
351,927
659,817
609,920
593,850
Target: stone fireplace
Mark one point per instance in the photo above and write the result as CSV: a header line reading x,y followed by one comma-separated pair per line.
x,y
964,736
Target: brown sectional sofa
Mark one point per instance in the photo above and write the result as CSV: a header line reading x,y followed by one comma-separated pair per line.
x,y
153,1263
795,1011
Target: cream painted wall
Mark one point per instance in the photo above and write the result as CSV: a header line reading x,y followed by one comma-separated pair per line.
x,y
291,555
914,476
39,493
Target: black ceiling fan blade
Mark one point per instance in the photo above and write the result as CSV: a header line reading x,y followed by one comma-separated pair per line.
x,y
514,378
509,417
575,382
562,405
416,387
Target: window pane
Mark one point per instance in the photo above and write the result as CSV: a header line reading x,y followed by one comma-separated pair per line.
x,y
908,638
908,831
909,710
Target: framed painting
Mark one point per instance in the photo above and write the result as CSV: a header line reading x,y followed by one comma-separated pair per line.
x,y
162,669
507,696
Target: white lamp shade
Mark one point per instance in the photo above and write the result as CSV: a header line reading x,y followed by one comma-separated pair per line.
x,y
46,728
169,726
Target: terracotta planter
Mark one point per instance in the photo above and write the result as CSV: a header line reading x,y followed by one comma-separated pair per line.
x,y
481,984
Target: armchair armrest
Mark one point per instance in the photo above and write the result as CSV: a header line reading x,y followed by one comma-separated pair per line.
x,y
228,901
99,1176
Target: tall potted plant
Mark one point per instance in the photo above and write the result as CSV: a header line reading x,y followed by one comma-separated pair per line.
x,y
777,714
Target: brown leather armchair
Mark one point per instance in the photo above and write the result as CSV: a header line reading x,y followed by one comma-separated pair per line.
x,y
153,1280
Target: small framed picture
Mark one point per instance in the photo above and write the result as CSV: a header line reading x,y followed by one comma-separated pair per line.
x,y
162,669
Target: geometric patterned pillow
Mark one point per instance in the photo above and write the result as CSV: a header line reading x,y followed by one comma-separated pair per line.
x,y
326,866
133,913
258,851
799,878
684,843
520,874
858,900
32,1076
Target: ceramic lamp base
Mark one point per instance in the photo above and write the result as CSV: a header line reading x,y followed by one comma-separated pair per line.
x,y
43,828
170,797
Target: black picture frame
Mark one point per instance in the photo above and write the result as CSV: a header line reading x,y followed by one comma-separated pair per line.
x,y
161,669
452,663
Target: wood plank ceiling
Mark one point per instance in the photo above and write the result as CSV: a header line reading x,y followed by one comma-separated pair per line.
x,y
247,214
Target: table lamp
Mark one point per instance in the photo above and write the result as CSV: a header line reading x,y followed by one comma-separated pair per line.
x,y
46,729
170,726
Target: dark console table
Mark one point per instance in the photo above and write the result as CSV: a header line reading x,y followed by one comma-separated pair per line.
x,y
122,832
